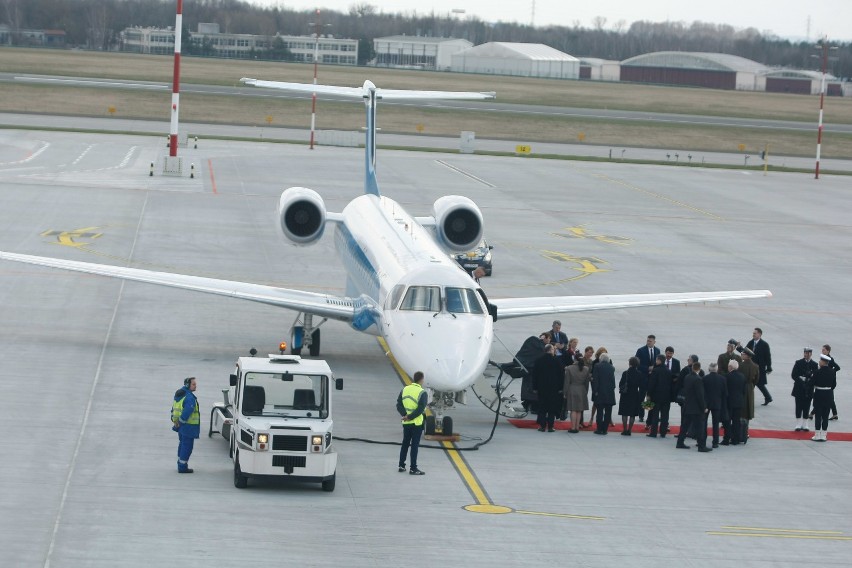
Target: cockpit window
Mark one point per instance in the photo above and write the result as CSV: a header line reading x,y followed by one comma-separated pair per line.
x,y
463,301
422,299
394,296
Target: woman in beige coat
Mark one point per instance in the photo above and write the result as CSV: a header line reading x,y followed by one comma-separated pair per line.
x,y
575,389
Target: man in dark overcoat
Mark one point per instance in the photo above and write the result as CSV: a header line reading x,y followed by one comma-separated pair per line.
x,y
763,359
716,397
548,378
694,410
660,393
736,384
603,392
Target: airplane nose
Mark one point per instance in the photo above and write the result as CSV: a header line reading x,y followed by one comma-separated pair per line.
x,y
448,365
448,371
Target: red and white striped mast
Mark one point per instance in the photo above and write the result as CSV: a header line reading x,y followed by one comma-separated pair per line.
x,y
314,96
173,132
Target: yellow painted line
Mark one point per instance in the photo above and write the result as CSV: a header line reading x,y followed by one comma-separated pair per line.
x,y
780,535
661,197
459,463
470,480
483,504
779,530
561,515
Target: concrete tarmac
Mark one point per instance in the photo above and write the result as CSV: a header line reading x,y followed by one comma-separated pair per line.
x,y
90,364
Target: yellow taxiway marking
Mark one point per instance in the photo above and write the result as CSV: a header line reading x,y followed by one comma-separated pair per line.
x,y
580,232
483,504
67,238
585,265
764,532
661,197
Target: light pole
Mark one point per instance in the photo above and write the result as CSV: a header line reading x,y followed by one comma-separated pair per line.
x,y
823,44
316,62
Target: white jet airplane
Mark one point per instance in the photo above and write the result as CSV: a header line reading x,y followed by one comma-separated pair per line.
x,y
401,284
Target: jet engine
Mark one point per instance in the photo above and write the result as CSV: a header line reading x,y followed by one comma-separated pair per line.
x,y
458,223
301,212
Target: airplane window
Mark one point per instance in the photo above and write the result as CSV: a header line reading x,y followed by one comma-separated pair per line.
x,y
463,301
422,299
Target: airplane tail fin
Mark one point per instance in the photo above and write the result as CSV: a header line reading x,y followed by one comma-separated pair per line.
x,y
371,185
370,94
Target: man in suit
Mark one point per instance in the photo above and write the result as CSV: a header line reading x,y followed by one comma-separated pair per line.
x,y
736,384
763,360
716,397
694,410
558,339
803,374
647,356
672,364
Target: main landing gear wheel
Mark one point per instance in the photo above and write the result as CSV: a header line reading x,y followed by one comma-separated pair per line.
x,y
328,484
430,425
447,426
314,348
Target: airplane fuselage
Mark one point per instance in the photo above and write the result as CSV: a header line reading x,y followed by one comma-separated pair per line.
x,y
390,259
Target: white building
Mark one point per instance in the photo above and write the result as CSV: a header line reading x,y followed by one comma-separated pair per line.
x,y
518,59
599,69
417,52
162,41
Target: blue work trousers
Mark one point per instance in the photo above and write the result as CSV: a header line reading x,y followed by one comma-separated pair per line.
x,y
184,451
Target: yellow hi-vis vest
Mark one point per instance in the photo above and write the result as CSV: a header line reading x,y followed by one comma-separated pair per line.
x,y
177,410
410,396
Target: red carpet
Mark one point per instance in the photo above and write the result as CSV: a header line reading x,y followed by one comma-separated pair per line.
x,y
639,429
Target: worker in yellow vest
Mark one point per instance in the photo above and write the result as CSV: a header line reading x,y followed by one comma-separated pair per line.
x,y
411,404
186,422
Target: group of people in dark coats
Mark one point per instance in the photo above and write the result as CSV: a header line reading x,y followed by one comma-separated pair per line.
x,y
561,377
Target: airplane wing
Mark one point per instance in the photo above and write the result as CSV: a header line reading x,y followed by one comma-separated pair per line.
x,y
360,92
324,305
522,307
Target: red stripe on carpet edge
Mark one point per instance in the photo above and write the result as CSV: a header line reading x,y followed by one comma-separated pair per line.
x,y
639,428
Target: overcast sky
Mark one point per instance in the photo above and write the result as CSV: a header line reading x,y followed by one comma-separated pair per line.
x,y
785,18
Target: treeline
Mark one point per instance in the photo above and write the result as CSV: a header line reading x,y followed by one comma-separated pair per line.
x,y
95,24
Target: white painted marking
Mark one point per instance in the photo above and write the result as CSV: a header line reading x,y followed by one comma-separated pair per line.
x,y
80,157
464,173
33,156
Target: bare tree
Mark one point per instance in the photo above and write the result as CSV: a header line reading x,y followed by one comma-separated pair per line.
x,y
13,16
362,10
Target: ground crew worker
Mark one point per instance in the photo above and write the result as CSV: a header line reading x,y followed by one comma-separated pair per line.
x,y
187,422
411,404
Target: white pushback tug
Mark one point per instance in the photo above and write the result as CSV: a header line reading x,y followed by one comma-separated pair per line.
x,y
276,416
